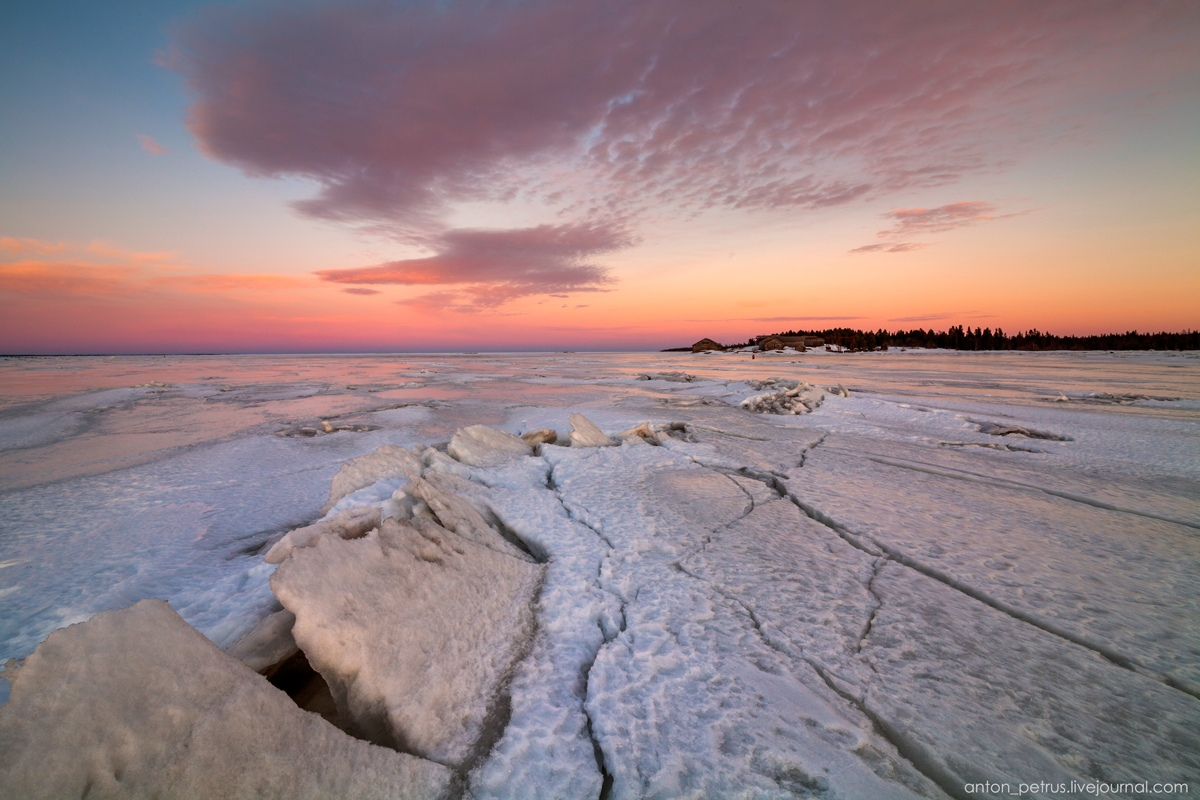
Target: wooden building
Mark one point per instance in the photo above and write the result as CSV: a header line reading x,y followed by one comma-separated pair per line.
x,y
707,344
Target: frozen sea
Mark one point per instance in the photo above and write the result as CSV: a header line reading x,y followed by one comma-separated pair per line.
x,y
958,571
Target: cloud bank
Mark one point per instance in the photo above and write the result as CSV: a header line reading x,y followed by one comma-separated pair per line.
x,y
599,113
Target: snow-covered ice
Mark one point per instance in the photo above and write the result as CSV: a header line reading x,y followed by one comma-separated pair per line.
x,y
609,575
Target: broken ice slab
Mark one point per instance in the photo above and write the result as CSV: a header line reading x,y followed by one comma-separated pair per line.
x,y
388,461
584,433
415,628
349,524
481,446
268,643
135,703
540,436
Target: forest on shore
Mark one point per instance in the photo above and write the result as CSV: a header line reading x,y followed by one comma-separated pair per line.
x,y
958,337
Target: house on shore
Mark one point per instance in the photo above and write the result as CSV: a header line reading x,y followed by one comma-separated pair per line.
x,y
801,343
770,343
707,344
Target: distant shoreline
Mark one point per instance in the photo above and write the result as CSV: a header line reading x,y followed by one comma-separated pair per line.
x,y
978,339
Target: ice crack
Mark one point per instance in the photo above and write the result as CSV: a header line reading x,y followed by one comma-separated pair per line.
x,y
810,448
908,750
876,548
862,639
1007,484
585,675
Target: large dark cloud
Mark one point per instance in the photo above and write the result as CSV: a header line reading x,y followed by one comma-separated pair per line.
x,y
606,110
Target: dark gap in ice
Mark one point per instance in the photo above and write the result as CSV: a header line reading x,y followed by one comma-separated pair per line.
x,y
534,551
1008,448
258,542
585,673
810,448
769,479
296,678
1000,429
862,639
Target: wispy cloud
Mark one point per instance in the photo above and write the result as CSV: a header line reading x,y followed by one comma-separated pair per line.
x,y
64,278
942,315
776,319
11,246
65,269
893,247
361,290
150,145
927,317
910,222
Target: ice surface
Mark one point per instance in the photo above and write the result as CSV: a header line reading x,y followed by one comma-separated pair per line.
x,y
689,699
979,695
1037,555
942,575
135,703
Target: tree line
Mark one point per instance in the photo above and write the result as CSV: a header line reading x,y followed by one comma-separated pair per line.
x,y
958,337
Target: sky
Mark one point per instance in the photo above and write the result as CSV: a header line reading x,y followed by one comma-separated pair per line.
x,y
426,176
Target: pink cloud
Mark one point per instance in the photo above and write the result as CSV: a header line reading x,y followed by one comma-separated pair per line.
x,y
362,290
63,278
495,266
893,247
398,111
917,221
150,145
9,244
607,111
80,279
943,218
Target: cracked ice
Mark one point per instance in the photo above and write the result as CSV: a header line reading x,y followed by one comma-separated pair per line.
x,y
842,595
